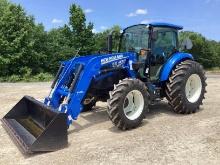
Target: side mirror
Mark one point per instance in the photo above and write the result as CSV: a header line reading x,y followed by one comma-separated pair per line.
x,y
187,44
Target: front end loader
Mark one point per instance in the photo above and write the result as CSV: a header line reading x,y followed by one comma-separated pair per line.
x,y
147,68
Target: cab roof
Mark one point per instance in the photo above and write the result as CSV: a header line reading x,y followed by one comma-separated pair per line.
x,y
162,24
159,24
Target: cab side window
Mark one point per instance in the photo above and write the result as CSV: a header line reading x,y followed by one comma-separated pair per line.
x,y
165,43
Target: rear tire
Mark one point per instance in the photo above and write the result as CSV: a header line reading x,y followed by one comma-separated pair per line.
x,y
185,88
128,103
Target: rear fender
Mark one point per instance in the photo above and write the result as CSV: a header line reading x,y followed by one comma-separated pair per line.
x,y
172,62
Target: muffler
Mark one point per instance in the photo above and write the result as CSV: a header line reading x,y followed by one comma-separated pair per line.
x,y
36,127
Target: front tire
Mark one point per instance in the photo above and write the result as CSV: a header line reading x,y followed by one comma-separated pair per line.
x,y
128,103
185,88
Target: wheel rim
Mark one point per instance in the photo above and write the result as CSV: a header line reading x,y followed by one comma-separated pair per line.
x,y
193,88
133,104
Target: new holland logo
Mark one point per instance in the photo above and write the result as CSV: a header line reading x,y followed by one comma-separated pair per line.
x,y
111,59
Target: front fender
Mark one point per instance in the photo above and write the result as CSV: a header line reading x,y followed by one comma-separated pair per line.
x,y
172,62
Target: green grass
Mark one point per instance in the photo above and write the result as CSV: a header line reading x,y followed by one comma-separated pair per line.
x,y
214,70
41,77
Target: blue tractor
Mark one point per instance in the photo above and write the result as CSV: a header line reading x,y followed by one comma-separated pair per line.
x,y
147,68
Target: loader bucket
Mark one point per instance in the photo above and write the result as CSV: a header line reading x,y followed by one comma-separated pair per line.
x,y
35,127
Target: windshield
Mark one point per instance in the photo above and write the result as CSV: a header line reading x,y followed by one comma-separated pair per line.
x,y
134,39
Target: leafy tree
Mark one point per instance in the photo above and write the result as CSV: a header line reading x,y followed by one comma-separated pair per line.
x,y
59,47
76,38
205,51
18,41
81,35
101,38
27,50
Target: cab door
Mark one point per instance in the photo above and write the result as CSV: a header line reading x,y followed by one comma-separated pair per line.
x,y
164,44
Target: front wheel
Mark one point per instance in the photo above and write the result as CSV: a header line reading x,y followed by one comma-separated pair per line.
x,y
185,88
128,103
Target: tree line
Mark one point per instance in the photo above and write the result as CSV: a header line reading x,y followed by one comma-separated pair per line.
x,y
27,51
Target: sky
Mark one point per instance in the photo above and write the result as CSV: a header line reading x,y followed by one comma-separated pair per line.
x,y
201,16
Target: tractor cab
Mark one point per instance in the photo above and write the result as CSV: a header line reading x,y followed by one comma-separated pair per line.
x,y
154,44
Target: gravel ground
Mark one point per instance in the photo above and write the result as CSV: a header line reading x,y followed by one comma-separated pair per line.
x,y
163,138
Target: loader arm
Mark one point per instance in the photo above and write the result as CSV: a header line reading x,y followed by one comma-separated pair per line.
x,y
74,80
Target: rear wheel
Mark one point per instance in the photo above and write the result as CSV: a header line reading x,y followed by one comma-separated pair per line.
x,y
185,88
128,103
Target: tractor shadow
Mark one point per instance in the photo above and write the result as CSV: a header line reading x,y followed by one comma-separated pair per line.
x,y
163,108
88,119
99,115
154,111
160,108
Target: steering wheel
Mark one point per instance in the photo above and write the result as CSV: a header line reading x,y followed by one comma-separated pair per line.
x,y
144,49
